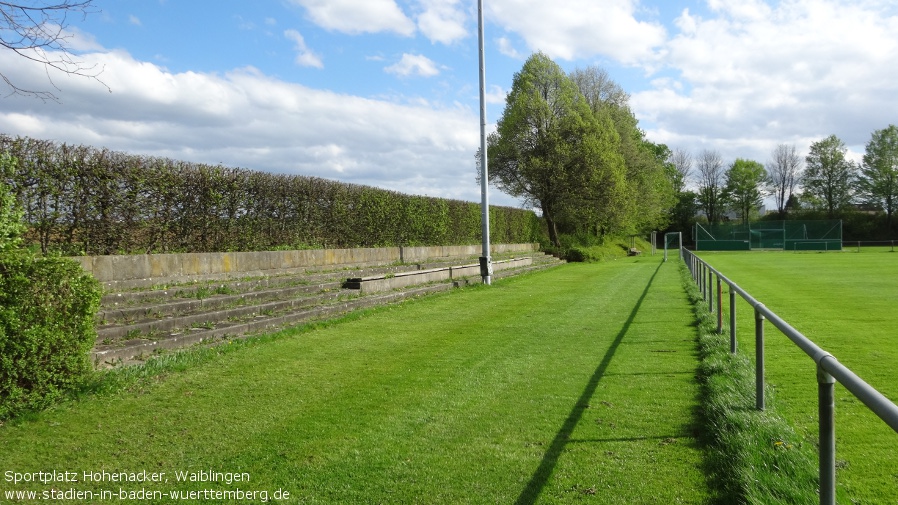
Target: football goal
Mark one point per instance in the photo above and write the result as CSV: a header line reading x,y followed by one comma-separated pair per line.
x,y
825,235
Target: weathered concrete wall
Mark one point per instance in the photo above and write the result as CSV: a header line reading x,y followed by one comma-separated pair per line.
x,y
149,269
377,283
412,254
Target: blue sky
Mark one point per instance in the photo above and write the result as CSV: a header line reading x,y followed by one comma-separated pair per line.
x,y
384,92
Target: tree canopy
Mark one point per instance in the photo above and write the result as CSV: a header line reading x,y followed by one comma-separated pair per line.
x,y
650,176
744,179
829,176
878,177
550,149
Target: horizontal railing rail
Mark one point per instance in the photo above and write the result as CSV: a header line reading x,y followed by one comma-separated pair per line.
x,y
829,370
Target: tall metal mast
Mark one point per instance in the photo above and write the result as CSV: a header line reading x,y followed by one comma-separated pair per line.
x,y
486,266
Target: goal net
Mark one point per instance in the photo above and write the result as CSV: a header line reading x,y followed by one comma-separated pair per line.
x,y
824,235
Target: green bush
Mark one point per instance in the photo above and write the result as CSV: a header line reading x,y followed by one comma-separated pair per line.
x,y
47,308
577,254
592,249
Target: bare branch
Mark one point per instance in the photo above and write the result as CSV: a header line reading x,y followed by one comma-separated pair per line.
x,y
783,173
37,31
682,162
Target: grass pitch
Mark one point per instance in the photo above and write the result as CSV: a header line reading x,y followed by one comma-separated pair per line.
x,y
571,385
846,303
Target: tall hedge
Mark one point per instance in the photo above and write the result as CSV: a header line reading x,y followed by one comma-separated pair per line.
x,y
85,200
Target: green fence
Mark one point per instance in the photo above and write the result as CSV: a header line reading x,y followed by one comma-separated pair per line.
x,y
783,235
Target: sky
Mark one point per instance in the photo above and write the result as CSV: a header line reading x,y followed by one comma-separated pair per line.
x,y
386,92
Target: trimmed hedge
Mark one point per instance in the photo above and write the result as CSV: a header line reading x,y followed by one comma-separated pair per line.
x,y
86,201
47,308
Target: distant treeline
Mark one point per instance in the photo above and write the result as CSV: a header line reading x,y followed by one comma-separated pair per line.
x,y
86,200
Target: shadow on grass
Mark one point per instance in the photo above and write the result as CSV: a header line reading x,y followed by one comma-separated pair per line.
x,y
541,476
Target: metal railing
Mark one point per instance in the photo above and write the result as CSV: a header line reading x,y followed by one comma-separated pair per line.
x,y
829,370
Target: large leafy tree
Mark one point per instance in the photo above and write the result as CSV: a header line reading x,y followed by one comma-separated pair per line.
x,y
744,179
649,175
711,181
783,174
829,176
878,178
550,149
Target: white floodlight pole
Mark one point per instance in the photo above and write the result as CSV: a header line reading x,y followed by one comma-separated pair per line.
x,y
486,266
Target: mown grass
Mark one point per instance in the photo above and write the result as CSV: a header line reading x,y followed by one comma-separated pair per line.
x,y
845,302
575,384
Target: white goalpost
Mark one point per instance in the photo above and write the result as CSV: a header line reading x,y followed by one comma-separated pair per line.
x,y
679,238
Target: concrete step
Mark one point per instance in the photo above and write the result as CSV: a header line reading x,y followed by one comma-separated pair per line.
x,y
142,322
204,289
206,318
125,314
109,354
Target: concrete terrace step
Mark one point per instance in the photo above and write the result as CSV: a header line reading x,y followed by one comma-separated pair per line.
x,y
183,322
376,283
145,321
126,307
111,354
127,314
326,279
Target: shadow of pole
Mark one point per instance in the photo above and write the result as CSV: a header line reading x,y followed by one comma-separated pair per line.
x,y
541,476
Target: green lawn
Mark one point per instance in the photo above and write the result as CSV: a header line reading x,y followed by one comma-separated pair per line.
x,y
574,384
846,303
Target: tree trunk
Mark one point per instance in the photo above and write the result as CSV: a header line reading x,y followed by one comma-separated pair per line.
x,y
553,230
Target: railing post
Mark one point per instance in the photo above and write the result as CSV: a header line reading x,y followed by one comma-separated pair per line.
x,y
701,282
710,291
827,421
706,285
719,306
732,320
759,358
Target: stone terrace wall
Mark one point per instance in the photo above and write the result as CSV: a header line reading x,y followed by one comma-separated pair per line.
x,y
133,271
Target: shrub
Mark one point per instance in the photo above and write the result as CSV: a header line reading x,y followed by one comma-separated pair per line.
x,y
47,308
577,254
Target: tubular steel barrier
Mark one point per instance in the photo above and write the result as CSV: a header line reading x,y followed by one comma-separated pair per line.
x,y
829,370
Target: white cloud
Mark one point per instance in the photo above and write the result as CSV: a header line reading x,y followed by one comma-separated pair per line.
x,y
750,76
358,16
442,20
580,28
78,40
496,95
134,20
245,118
506,48
304,56
414,64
